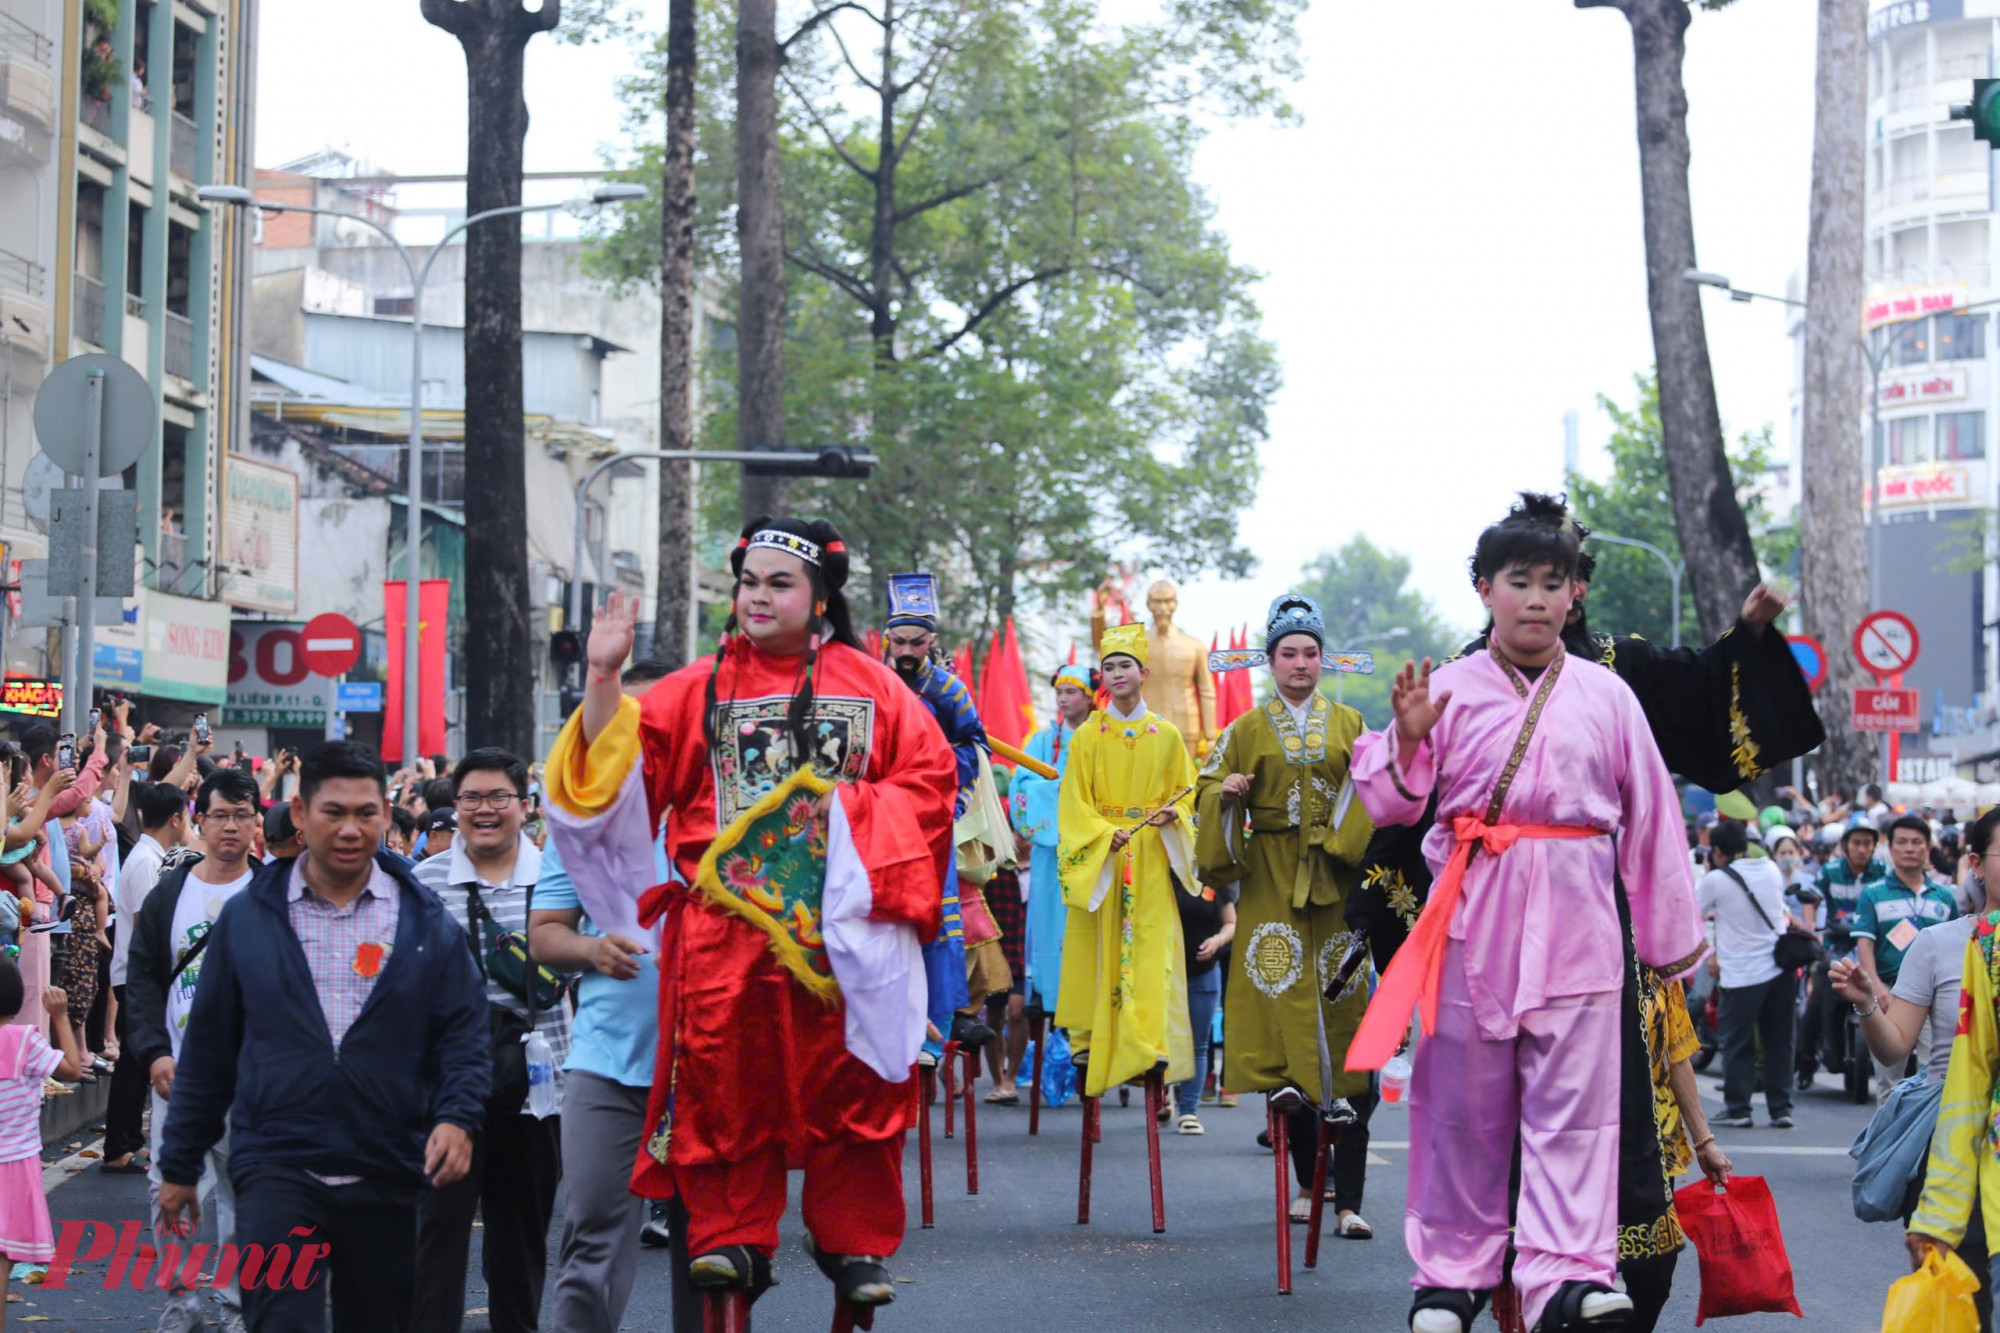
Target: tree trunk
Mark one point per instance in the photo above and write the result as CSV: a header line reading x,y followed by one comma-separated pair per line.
x,y
673,607
760,229
499,640
1714,536
882,234
1832,532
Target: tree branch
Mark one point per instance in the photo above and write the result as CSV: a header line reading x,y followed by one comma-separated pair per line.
x,y
929,77
451,15
832,139
528,22
993,303
822,16
853,68
972,186
853,286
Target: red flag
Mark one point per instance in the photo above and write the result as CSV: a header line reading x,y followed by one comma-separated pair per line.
x,y
962,666
434,605
875,644
1072,653
1006,704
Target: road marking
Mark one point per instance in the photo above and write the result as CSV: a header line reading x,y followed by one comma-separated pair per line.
x,y
1729,1145
70,1167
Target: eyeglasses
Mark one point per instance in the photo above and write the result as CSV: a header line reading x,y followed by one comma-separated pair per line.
x,y
224,817
489,800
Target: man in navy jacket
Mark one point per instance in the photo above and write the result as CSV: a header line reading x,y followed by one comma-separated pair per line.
x,y
341,1028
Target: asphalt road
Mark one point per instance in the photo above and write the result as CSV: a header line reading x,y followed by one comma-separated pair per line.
x,y
1014,1256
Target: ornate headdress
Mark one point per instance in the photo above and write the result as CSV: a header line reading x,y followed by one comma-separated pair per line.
x,y
1077,674
913,600
791,543
1293,613
1130,640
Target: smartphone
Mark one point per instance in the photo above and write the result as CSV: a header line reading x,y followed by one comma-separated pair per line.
x,y
201,733
66,751
140,755
96,717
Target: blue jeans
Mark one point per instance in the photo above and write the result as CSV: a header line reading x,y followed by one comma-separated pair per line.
x,y
1204,994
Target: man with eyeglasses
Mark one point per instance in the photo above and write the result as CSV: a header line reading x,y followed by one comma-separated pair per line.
x,y
486,880
163,971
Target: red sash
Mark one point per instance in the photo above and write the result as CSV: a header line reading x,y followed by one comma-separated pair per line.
x,y
1412,979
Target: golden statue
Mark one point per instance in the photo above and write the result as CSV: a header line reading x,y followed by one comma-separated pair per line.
x,y
1180,687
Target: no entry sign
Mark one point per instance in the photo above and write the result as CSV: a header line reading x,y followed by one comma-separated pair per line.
x,y
331,644
1877,709
1811,657
1886,642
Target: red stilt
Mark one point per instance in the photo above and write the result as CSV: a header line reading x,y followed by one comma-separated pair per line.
x,y
945,1062
1281,1155
848,1316
971,1125
725,1310
1328,1136
1035,1032
1156,1095
1507,1309
1083,1173
926,1089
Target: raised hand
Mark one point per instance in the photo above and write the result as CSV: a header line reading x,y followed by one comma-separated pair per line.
x,y
1416,711
612,633
1764,605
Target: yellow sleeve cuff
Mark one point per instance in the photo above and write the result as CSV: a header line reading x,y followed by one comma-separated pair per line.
x,y
585,779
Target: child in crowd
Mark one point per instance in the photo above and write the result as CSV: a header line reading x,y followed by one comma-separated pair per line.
x,y
26,1060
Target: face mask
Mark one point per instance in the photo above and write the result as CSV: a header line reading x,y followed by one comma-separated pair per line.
x,y
1789,861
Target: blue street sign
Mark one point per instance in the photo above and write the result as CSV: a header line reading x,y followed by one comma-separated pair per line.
x,y
359,697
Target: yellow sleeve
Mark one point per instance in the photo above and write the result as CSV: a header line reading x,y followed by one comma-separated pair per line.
x,y
1951,1186
1084,834
585,779
1682,1043
1219,857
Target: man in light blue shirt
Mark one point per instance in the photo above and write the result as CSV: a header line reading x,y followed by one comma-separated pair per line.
x,y
607,1078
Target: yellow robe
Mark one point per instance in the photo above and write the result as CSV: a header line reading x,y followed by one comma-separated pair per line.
x,y
1124,982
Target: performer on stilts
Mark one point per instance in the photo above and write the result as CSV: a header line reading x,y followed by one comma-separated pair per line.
x,y
1516,964
1722,715
1281,772
1035,800
808,800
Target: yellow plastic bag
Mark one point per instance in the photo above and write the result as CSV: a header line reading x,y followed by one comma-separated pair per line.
x,y
1937,1298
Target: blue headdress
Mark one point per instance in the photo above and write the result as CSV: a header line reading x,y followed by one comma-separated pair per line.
x,y
1293,613
913,600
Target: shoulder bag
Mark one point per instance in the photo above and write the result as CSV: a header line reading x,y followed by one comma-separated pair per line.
x,y
1795,948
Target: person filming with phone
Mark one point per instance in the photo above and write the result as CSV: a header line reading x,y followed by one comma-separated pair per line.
x,y
349,1084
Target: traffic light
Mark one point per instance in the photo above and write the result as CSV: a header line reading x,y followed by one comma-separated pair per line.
x,y
1983,110
566,647
835,461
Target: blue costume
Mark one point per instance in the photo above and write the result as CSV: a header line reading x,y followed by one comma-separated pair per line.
x,y
913,601
1034,800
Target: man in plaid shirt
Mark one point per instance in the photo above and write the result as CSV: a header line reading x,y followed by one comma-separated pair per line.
x,y
490,871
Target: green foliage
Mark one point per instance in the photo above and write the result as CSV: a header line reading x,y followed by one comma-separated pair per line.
x,y
104,13
1632,592
1364,592
1071,371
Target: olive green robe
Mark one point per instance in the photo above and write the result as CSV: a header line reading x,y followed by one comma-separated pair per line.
x,y
1294,870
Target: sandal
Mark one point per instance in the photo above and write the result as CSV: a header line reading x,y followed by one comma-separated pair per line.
x,y
1444,1310
1301,1210
1003,1096
1578,1306
1189,1124
858,1279
1352,1226
736,1266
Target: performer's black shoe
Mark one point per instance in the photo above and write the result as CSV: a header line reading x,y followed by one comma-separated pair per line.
x,y
1342,1112
858,1279
1443,1310
733,1266
969,1032
655,1234
1287,1100
1585,1307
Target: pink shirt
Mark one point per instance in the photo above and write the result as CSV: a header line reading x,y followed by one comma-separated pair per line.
x,y
26,1058
1540,921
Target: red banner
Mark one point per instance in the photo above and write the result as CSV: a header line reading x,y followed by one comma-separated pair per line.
x,y
1877,708
434,601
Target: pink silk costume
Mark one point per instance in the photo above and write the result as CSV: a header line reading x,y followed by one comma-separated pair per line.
x,y
1527,1000
755,1075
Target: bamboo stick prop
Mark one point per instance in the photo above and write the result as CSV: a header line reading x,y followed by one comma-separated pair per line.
x,y
1002,750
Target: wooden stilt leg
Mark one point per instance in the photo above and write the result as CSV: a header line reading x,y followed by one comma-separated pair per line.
x,y
946,1061
1156,1093
1281,1156
1507,1309
725,1310
1035,1033
848,1316
926,1089
711,1311
1083,1172
1328,1136
971,1125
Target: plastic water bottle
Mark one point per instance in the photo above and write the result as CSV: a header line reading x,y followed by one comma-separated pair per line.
x,y
541,1076
1396,1078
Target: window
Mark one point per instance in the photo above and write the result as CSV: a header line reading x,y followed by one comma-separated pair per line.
x,y
1960,435
1910,344
1961,337
395,306
1903,441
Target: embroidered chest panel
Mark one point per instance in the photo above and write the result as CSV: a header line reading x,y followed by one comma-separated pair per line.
x,y
1309,748
753,747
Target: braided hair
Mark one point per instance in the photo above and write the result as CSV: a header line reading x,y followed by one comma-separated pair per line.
x,y
831,619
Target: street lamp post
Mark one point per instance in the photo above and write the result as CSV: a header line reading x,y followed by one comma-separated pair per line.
x,y
1340,677
413,529
1675,570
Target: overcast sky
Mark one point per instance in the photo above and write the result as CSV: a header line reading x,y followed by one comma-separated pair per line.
x,y
1451,241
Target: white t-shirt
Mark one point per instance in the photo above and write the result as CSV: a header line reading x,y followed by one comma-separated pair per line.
x,y
201,902
136,879
1932,977
1743,943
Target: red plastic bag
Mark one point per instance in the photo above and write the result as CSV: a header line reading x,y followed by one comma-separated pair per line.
x,y
1744,1268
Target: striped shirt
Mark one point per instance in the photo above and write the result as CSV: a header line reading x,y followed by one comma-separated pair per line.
x,y
26,1058
451,876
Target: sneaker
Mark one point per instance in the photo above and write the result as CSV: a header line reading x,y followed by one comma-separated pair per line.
x,y
1225,1099
182,1315
1734,1121
1783,1121
655,1234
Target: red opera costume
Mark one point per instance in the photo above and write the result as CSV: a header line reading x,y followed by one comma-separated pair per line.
x,y
787,1028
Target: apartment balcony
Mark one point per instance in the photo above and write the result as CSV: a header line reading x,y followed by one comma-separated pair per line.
x,y
185,148
180,346
97,115
87,311
20,274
